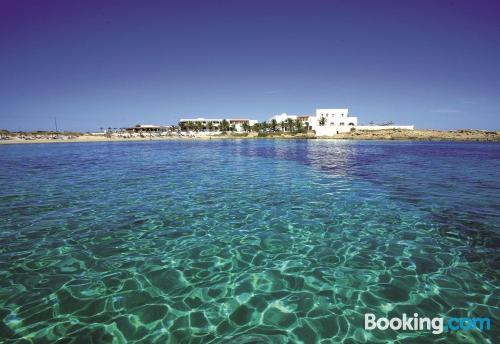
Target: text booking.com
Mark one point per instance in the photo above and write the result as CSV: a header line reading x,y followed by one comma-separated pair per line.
x,y
436,325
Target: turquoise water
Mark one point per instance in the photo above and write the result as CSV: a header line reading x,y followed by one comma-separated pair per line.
x,y
251,241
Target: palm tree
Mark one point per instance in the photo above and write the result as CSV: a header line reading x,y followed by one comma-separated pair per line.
x,y
289,124
210,125
264,126
198,126
246,127
274,124
298,125
224,125
322,121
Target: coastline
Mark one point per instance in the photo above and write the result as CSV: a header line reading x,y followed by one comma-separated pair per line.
x,y
400,135
423,135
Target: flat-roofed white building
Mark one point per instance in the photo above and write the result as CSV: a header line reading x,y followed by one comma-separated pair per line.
x,y
326,122
330,122
384,127
238,123
209,124
215,124
284,117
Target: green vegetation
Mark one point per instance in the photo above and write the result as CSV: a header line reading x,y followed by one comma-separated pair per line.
x,y
322,121
289,126
224,125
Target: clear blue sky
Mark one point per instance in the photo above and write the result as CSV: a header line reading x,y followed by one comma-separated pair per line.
x,y
96,64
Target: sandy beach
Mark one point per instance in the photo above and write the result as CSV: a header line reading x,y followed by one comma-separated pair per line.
x,y
93,138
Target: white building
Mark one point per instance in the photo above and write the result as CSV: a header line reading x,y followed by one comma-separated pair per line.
x,y
330,122
326,122
284,117
214,124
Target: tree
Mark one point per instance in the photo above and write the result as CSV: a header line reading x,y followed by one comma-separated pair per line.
x,y
298,125
274,124
322,121
210,125
246,127
198,126
256,127
224,125
289,124
264,126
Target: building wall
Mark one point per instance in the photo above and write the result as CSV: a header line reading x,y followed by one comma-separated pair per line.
x,y
384,127
336,121
282,118
238,123
333,117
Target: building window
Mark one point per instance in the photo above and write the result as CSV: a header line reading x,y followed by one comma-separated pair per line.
x,y
351,123
341,123
332,123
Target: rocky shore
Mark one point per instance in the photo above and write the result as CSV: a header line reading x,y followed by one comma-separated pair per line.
x,y
422,135
392,134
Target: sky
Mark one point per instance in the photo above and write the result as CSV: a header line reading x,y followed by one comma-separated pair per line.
x,y
93,64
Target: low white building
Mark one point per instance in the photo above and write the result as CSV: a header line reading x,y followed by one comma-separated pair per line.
x,y
330,122
326,122
214,124
385,127
284,117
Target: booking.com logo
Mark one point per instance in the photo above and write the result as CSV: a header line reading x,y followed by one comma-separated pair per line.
x,y
436,325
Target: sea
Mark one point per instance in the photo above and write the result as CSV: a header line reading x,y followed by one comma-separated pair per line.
x,y
247,241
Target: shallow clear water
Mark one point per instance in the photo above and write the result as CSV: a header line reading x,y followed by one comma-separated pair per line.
x,y
251,241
